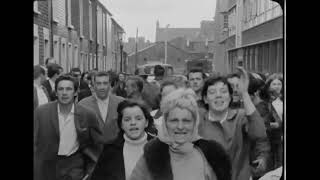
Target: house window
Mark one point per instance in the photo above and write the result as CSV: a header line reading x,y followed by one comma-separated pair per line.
x,y
89,61
70,62
46,36
46,49
35,7
94,63
81,16
69,13
104,29
63,56
35,45
225,21
76,57
108,31
85,62
59,11
90,20
56,48
99,24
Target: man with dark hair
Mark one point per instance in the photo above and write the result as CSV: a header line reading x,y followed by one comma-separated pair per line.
x,y
53,74
84,90
104,104
65,136
40,94
159,74
196,79
234,79
134,88
50,60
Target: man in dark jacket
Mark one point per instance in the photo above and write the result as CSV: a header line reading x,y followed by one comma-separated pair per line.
x,y
84,90
119,88
65,135
53,74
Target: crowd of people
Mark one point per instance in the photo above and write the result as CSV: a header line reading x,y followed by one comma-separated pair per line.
x,y
100,125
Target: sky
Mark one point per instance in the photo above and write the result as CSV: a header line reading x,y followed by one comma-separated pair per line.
x,y
143,14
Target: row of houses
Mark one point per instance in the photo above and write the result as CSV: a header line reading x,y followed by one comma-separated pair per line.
x,y
77,33
249,33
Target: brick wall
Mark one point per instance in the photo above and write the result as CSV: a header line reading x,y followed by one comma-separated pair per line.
x,y
42,20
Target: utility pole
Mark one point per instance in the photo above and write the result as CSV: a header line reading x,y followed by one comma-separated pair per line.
x,y
166,45
135,67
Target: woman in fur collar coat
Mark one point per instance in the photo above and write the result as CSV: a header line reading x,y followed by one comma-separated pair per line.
x,y
179,153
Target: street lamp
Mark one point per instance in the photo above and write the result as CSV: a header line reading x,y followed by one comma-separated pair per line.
x,y
166,44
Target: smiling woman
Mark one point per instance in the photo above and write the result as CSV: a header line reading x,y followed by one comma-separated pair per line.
x,y
236,129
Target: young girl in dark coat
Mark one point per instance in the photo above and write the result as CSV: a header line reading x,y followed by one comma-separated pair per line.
x,y
120,156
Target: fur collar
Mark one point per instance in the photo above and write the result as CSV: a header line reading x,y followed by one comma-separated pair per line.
x,y
156,154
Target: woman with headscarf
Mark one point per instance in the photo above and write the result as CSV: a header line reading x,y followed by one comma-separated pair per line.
x,y
179,153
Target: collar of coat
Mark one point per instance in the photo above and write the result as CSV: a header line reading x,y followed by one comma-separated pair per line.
x,y
156,154
119,141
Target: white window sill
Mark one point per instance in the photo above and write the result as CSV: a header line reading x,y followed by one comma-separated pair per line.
x,y
55,20
37,12
70,27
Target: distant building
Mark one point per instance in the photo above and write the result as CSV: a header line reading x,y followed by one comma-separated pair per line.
x,y
163,34
248,33
155,53
183,44
130,46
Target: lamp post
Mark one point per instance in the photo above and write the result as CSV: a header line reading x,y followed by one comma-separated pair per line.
x,y
166,44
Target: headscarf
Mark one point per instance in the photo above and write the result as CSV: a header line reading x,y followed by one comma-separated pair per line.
x,y
184,99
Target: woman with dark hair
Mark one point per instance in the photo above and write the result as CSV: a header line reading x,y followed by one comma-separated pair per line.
x,y
119,157
235,129
273,95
